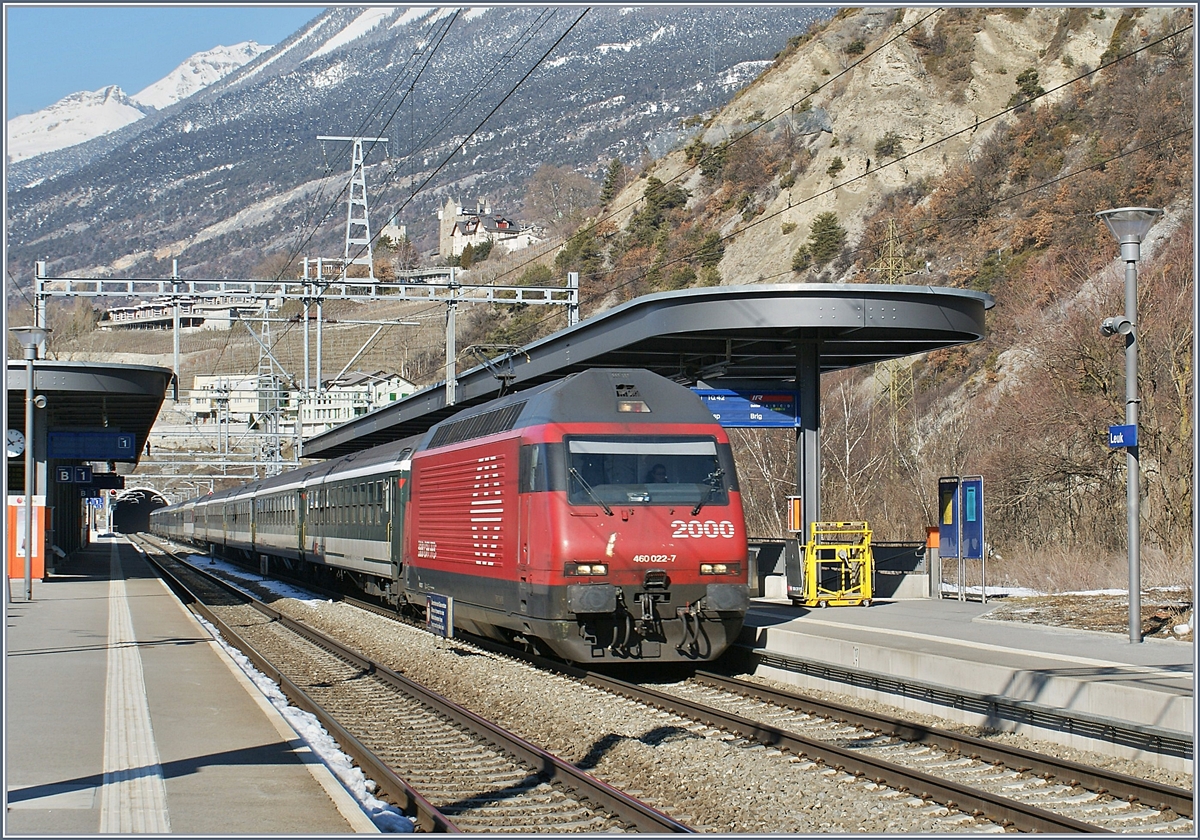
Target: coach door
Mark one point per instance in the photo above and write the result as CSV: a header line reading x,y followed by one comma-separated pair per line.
x,y
301,519
396,493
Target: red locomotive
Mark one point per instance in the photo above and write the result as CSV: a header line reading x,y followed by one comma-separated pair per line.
x,y
597,517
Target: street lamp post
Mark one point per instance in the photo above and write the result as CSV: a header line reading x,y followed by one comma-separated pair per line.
x,y
30,339
1130,225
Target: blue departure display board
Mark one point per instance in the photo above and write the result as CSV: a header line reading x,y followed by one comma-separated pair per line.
x,y
92,446
752,409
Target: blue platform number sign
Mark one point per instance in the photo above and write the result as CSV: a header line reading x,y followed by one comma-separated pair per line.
x,y
948,489
1121,437
972,517
439,615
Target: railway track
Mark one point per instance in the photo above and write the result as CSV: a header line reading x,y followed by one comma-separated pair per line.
x,y
1007,784
454,769
1150,739
979,779
969,773
1098,798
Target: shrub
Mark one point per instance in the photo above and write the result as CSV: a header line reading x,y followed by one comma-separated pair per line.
x,y
802,259
835,167
889,146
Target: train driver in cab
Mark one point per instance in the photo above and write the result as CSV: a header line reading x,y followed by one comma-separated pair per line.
x,y
657,475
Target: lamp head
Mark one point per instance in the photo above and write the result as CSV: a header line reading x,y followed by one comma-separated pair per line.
x,y
30,339
1130,225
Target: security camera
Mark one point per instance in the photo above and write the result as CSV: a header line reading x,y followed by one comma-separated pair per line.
x,y
1119,325
40,401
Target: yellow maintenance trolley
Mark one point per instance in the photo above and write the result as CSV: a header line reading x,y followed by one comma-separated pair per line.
x,y
838,566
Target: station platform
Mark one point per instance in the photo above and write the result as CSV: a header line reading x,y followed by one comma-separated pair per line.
x,y
123,715
940,648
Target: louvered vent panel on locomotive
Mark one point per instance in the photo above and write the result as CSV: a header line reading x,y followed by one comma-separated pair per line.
x,y
466,509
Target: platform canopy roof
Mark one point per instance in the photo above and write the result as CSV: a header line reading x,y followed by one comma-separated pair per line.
x,y
90,396
718,336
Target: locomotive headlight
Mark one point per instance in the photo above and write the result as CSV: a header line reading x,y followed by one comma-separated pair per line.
x,y
587,569
717,569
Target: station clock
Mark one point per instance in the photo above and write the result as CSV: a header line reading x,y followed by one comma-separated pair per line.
x,y
15,442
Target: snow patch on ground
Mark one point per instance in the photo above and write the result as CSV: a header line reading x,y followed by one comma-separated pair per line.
x,y
361,25
387,817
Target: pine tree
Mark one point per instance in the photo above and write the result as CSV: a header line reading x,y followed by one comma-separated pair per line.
x,y
614,179
825,238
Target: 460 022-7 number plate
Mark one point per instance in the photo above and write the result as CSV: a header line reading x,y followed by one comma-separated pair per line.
x,y
654,558
695,529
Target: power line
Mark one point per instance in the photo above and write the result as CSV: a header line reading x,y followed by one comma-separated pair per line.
x,y
482,122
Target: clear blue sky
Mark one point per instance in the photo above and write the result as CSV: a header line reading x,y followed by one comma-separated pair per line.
x,y
52,50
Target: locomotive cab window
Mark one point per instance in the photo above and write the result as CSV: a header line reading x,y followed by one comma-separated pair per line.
x,y
646,470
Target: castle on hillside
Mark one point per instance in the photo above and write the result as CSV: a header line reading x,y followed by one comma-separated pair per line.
x,y
459,227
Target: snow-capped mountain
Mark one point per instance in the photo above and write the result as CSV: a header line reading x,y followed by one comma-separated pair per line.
x,y
472,101
70,121
82,116
198,72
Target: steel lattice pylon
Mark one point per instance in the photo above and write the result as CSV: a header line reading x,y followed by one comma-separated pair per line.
x,y
358,224
894,376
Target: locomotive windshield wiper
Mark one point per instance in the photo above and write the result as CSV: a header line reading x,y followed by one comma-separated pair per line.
x,y
713,481
587,487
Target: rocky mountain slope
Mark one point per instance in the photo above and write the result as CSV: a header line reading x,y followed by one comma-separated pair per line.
x,y
472,101
841,98
968,148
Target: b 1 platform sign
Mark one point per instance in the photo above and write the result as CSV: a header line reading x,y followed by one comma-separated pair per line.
x,y
948,489
439,615
73,475
752,409
971,492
